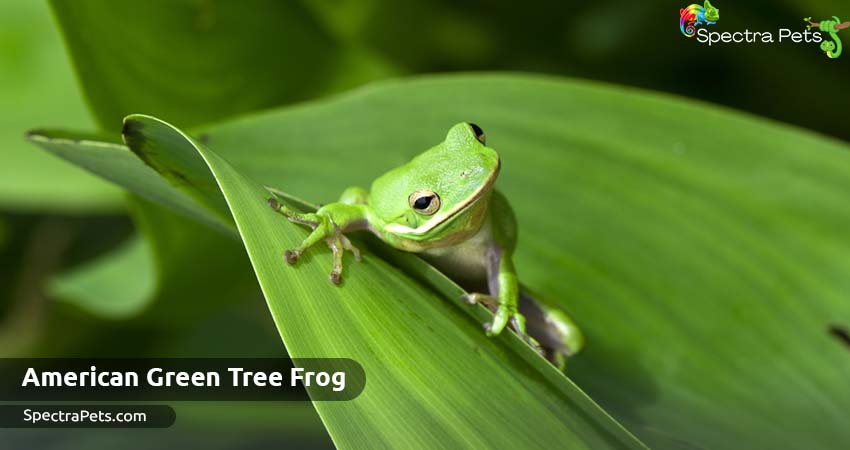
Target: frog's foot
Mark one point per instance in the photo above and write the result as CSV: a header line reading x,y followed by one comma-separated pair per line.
x,y
323,228
503,315
557,333
570,337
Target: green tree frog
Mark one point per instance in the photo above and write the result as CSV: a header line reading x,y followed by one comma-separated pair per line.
x,y
442,205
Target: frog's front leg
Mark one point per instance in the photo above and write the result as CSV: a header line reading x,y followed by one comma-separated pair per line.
x,y
328,224
505,287
503,299
502,281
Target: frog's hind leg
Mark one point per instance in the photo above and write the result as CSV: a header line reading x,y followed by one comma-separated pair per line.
x,y
556,332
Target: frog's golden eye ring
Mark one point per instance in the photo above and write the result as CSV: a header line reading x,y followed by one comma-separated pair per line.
x,y
479,133
424,202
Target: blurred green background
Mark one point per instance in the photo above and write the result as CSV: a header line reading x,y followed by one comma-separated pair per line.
x,y
70,241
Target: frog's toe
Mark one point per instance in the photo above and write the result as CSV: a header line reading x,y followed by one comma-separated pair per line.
x,y
309,219
339,244
504,315
500,320
557,359
517,322
335,243
492,303
335,277
291,256
347,245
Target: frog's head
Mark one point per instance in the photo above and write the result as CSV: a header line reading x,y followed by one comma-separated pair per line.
x,y
711,13
440,196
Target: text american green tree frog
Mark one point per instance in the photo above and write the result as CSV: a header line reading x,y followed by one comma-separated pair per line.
x,y
442,205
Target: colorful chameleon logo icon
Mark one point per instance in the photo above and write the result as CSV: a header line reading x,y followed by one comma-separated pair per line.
x,y
831,48
694,15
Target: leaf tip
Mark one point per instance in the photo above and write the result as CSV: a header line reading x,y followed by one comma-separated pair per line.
x,y
35,134
131,132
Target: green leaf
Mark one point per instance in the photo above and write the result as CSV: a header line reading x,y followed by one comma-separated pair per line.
x,y
122,284
201,61
116,163
400,332
294,421
36,86
117,285
703,251
199,269
158,267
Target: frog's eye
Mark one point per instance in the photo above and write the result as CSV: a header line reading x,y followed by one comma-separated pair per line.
x,y
424,202
479,133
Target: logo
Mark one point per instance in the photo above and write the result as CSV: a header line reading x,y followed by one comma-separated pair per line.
x,y
695,15
832,48
694,19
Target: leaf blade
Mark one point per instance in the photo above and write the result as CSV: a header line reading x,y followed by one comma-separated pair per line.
x,y
633,178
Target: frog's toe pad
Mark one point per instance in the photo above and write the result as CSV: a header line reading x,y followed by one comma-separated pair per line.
x,y
335,277
291,256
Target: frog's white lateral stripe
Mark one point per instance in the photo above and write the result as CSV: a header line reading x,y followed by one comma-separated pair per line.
x,y
435,221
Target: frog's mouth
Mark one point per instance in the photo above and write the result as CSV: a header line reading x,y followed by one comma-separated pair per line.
x,y
444,216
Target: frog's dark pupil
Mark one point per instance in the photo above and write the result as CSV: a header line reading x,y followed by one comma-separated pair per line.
x,y
479,133
423,202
